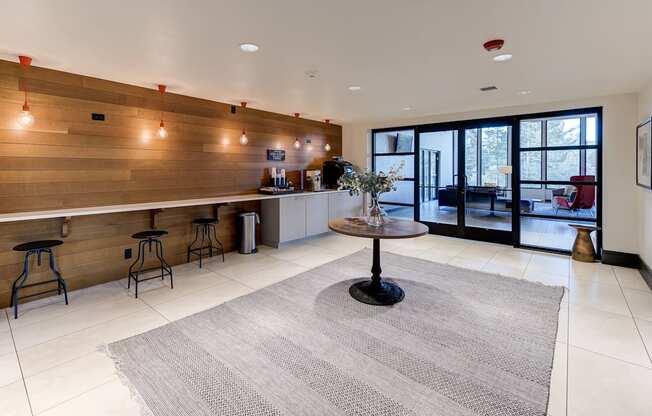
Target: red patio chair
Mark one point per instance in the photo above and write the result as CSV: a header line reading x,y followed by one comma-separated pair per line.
x,y
582,198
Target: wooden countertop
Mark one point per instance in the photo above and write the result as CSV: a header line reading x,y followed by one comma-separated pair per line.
x,y
108,209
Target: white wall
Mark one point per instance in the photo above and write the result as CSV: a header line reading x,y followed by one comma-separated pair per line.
x,y
645,195
621,195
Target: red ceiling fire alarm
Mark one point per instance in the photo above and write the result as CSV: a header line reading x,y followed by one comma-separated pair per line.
x,y
493,45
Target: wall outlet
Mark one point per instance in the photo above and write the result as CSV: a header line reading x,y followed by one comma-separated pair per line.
x,y
127,253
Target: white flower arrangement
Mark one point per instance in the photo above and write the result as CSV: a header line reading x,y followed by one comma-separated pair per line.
x,y
371,182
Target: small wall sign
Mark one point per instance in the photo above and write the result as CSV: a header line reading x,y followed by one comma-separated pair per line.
x,y
275,155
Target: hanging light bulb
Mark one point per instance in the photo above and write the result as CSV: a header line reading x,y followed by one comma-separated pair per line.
x,y
297,143
327,147
25,119
243,139
162,132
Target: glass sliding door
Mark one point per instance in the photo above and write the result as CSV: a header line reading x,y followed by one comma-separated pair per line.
x,y
488,169
389,149
473,193
559,177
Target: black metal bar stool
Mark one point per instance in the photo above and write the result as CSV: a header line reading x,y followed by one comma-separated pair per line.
x,y
147,239
37,248
205,226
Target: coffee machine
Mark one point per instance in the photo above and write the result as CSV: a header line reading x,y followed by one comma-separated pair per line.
x,y
313,180
333,169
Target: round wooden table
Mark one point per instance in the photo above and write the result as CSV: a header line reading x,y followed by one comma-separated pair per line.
x,y
376,291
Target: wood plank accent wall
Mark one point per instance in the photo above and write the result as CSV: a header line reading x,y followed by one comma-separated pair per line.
x,y
66,160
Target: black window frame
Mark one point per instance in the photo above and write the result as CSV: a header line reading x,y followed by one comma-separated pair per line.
x,y
544,148
385,154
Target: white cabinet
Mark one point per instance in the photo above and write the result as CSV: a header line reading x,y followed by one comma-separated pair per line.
x,y
341,204
317,211
283,219
293,217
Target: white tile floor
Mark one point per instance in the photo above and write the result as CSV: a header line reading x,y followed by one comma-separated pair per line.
x,y
50,362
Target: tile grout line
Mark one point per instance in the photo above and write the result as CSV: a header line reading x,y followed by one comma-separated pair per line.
x,y
153,307
111,379
74,333
20,367
198,290
611,357
155,311
638,331
79,330
69,310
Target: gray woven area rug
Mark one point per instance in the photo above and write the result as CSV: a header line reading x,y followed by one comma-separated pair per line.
x,y
461,343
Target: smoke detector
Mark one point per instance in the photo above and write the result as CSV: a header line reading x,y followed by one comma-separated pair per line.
x,y
493,45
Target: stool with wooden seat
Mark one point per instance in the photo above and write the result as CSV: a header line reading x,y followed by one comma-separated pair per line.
x,y
37,248
207,227
147,239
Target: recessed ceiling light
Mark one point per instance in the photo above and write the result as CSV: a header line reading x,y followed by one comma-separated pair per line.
x,y
249,47
355,88
503,57
312,73
407,108
524,92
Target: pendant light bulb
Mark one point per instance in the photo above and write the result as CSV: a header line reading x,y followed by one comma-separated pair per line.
x,y
243,139
327,147
25,119
162,132
297,144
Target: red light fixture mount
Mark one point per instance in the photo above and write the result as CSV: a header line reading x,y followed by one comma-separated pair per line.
x,y
297,115
25,61
493,45
243,104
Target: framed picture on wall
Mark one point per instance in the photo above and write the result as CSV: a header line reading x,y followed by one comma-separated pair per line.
x,y
404,143
644,154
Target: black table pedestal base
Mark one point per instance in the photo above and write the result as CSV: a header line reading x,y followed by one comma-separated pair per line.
x,y
376,291
373,294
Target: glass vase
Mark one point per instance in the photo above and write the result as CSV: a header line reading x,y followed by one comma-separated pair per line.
x,y
376,217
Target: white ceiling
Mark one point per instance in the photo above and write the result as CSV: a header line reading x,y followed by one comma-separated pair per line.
x,y
423,54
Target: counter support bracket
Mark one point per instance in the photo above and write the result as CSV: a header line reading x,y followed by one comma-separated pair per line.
x,y
153,217
216,210
66,226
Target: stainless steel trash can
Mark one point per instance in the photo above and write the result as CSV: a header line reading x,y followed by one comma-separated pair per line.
x,y
248,221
